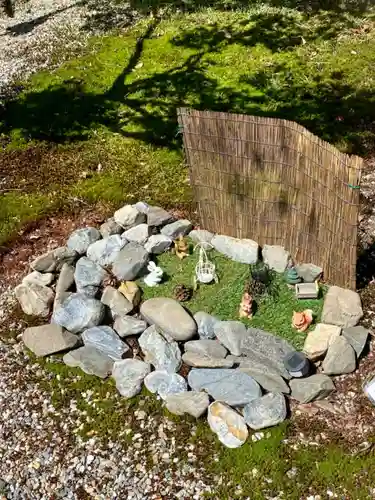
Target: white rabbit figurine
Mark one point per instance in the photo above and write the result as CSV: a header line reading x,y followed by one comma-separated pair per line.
x,y
156,273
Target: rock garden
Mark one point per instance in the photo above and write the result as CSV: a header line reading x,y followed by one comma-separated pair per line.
x,y
214,326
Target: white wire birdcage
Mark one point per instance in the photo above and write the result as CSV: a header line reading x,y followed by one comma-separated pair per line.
x,y
205,270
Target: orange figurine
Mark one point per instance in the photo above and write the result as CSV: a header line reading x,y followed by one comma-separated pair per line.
x,y
246,306
302,320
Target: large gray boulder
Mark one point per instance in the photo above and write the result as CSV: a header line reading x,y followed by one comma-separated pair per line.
x,y
276,257
130,262
168,315
268,380
157,217
206,347
227,424
265,347
199,360
340,358
309,272
90,360
65,280
106,340
81,239
357,338
158,243
79,312
265,411
54,260
129,216
35,300
341,307
118,304
138,234
88,276
175,229
163,383
205,324
129,375
231,386
193,403
231,334
318,340
202,236
48,339
311,388
128,325
160,350
104,252
37,278
245,251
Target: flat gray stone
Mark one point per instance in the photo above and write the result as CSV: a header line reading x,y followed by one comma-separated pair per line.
x,y
164,383
227,424
198,360
88,276
318,340
128,325
129,375
270,382
309,272
129,216
157,216
340,358
206,324
168,315
35,300
357,338
311,388
118,304
341,307
231,386
206,347
276,257
37,278
109,228
90,360
54,260
48,339
65,280
266,347
78,313
81,239
191,402
138,234
130,261
202,236
104,252
230,334
177,228
239,250
158,243
266,411
105,339
160,350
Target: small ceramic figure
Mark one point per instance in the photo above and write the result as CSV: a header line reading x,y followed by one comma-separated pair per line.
x,y
302,320
155,276
291,276
246,305
181,247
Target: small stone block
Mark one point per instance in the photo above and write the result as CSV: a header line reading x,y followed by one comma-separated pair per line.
x,y
307,290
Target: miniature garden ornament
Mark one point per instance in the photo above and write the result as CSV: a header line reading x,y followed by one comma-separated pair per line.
x,y
291,276
155,276
246,305
181,247
205,270
302,320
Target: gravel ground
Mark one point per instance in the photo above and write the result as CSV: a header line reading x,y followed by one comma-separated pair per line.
x,y
44,33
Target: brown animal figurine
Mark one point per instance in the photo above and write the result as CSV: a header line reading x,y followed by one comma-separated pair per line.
x,y
302,320
181,247
246,305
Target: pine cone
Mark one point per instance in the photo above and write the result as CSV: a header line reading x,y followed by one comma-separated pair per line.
x,y
183,293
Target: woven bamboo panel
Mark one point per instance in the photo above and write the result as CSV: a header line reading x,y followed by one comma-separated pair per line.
x,y
273,181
